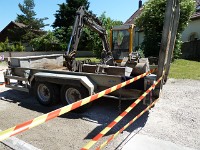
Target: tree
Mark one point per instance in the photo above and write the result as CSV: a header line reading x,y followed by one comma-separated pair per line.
x,y
33,26
107,23
65,16
47,42
7,46
151,21
28,16
64,21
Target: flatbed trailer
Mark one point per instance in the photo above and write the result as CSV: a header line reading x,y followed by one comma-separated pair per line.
x,y
47,78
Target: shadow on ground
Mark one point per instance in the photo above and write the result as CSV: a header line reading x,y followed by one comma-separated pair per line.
x,y
105,111
102,112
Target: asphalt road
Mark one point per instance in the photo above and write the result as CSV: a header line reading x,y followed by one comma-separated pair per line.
x,y
174,120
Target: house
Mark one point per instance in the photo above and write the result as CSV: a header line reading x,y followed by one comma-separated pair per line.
x,y
192,32
139,34
6,31
14,32
191,37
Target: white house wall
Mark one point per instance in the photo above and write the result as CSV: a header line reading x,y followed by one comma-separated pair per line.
x,y
193,27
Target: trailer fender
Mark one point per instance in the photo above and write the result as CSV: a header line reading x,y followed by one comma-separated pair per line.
x,y
64,79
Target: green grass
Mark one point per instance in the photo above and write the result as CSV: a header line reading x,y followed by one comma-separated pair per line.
x,y
93,59
185,69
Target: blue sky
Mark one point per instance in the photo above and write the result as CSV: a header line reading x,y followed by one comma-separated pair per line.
x,y
116,9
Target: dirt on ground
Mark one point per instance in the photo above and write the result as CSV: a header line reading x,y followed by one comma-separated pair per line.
x,y
174,118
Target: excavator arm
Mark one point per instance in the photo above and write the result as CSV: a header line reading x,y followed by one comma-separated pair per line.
x,y
85,18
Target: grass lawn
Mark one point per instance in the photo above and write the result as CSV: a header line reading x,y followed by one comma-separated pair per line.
x,y
185,69
93,59
180,69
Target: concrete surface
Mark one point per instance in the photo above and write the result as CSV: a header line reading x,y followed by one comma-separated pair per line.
x,y
17,144
144,142
173,123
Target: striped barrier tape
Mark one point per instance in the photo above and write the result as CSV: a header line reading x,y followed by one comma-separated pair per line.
x,y
2,83
133,120
119,118
58,112
126,126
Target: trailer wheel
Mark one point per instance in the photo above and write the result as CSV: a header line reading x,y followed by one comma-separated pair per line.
x,y
46,93
71,94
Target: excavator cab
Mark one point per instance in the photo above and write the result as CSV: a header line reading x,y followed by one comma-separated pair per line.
x,y
121,41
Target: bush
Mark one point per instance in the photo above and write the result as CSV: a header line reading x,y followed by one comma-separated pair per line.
x,y
151,21
6,46
18,47
47,42
1,47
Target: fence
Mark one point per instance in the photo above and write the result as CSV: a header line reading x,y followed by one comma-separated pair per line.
x,y
191,50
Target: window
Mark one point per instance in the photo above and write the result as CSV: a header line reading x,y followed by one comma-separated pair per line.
x,y
120,43
121,39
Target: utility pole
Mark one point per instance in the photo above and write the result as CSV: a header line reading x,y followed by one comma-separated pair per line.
x,y
168,40
173,38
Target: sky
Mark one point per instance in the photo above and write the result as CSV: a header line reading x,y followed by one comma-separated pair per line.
x,y
115,9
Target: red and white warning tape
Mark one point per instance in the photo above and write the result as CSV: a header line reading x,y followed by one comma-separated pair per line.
x,y
2,83
126,126
120,117
58,112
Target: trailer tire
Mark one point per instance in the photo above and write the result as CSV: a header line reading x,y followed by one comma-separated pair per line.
x,y
71,94
46,93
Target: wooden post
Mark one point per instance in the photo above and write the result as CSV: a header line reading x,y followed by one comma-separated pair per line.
x,y
173,38
165,42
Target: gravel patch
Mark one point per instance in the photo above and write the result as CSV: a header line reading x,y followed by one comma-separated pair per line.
x,y
176,116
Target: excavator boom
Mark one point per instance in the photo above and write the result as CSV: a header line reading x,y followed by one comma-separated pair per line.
x,y
85,18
